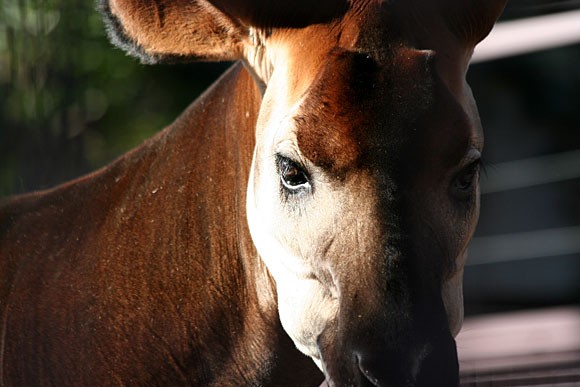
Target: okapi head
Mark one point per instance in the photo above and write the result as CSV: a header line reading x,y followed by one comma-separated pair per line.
x,y
363,192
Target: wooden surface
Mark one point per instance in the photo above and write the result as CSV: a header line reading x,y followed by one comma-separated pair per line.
x,y
521,349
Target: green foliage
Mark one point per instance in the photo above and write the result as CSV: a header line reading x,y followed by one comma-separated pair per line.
x,y
69,101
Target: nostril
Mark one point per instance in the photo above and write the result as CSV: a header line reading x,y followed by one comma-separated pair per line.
x,y
433,364
384,371
417,362
440,366
367,373
365,370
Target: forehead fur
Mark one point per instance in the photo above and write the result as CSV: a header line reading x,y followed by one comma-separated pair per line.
x,y
357,104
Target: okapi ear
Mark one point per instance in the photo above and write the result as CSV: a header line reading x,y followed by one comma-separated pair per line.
x,y
171,30
215,30
472,20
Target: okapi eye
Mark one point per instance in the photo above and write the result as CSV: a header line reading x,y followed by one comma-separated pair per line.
x,y
464,182
292,175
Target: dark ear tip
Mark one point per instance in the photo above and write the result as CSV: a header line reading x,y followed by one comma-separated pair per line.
x,y
119,38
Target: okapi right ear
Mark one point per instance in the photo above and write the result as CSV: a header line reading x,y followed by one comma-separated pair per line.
x,y
472,20
215,30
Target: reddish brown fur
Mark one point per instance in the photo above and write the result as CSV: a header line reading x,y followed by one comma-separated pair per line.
x,y
339,123
115,278
327,121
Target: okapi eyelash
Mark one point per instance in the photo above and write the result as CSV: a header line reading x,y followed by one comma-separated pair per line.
x,y
485,166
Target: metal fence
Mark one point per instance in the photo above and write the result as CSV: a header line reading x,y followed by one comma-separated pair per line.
x,y
527,249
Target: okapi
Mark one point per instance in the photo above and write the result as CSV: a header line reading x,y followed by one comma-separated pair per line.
x,y
310,212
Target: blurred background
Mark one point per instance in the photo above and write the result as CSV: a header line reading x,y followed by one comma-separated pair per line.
x,y
526,252
70,103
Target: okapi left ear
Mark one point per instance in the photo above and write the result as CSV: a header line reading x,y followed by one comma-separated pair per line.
x,y
171,30
214,30
472,20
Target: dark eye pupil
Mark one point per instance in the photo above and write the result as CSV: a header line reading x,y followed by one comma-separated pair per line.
x,y
294,177
464,181
291,174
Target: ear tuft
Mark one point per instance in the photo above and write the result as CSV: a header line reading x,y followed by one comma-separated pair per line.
x,y
119,38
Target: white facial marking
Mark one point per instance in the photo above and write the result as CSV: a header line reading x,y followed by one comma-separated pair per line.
x,y
304,305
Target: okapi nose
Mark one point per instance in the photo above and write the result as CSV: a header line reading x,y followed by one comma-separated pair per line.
x,y
435,365
386,370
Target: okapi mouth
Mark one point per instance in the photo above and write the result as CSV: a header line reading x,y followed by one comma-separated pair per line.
x,y
432,368
415,350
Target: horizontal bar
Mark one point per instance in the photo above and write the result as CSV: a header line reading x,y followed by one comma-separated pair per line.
x,y
524,245
520,341
531,172
523,36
